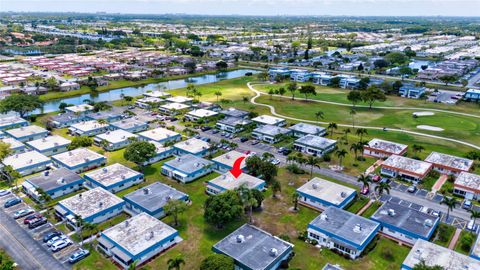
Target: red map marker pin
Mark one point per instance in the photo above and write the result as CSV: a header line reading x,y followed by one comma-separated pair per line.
x,y
236,171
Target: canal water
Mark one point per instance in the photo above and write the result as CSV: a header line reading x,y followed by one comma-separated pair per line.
x,y
116,94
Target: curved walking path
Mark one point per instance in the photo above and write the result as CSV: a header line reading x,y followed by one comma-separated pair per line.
x,y
373,107
273,112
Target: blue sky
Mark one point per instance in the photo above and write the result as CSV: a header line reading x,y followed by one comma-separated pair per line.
x,y
256,7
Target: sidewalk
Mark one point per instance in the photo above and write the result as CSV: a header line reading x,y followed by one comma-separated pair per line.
x,y
438,185
454,240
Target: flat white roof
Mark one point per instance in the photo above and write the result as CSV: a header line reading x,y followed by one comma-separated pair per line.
x,y
230,157
175,106
387,146
468,180
112,174
433,255
202,113
128,123
116,136
22,160
192,145
13,142
88,125
459,163
157,94
77,156
407,164
179,99
11,120
228,182
90,202
49,142
268,119
326,190
79,108
150,100
138,233
25,131
158,134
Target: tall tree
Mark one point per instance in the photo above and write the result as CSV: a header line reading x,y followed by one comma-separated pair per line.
x,y
332,126
295,198
474,215
176,262
372,94
217,262
365,180
319,115
222,208
292,87
276,187
341,155
313,162
450,203
307,90
361,132
22,104
174,208
354,97
382,187
218,94
247,199
353,113
140,152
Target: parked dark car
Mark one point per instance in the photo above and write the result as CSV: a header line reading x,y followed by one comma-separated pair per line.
x,y
29,219
206,128
215,131
243,139
12,202
51,235
37,223
78,255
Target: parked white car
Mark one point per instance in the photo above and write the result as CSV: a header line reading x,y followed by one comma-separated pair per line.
x,y
59,245
55,239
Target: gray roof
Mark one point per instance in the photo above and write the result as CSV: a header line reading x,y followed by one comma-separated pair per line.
x,y
234,112
271,130
188,163
49,180
405,218
459,163
346,225
103,114
128,123
233,121
253,247
154,196
315,141
67,117
307,128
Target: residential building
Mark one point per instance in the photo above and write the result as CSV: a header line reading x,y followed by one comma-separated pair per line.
x,y
232,124
180,99
114,140
406,168
320,193
68,86
467,185
472,95
302,129
314,145
132,125
160,135
109,116
137,240
342,231
225,162
270,133
152,198
66,119
27,133
200,114
435,255
79,160
383,149
404,223
173,108
162,152
15,145
253,248
269,120
50,145
187,168
411,91
88,128
157,94
148,102
232,112
78,109
93,206
475,252
9,122
27,163
192,146
55,183
226,182
113,178
448,164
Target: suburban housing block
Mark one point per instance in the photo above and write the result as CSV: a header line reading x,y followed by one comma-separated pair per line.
x,y
383,149
226,182
79,160
55,183
407,168
467,185
187,168
314,145
320,194
448,164
113,178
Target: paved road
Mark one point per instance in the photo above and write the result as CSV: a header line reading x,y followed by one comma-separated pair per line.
x,y
26,252
273,112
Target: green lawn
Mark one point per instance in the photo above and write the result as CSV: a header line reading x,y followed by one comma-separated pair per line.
x,y
95,261
358,204
443,234
465,242
371,210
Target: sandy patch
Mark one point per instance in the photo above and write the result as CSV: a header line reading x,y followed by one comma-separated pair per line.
x,y
431,128
423,113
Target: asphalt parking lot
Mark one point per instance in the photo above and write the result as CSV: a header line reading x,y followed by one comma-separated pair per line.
x,y
37,233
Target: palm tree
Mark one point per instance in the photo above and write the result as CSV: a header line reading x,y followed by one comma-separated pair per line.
x,y
175,263
247,199
133,265
332,126
353,113
295,197
356,147
365,180
382,187
319,115
79,224
43,197
276,187
218,94
102,121
417,148
341,154
312,162
451,203
346,132
360,132
245,100
474,215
